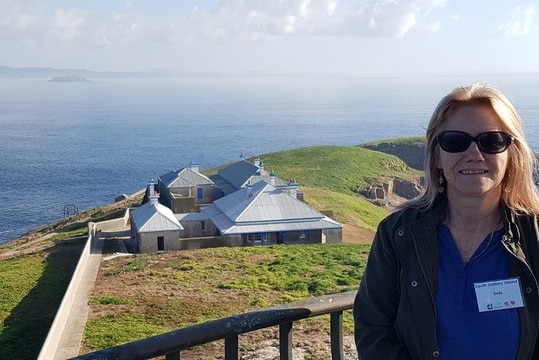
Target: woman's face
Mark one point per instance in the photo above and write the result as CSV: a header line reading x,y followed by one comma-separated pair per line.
x,y
472,173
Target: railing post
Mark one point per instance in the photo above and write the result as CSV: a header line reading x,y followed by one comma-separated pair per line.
x,y
231,348
337,347
173,356
285,341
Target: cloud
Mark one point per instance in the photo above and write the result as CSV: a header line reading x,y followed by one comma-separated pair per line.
x,y
17,19
120,28
227,20
67,25
260,19
521,23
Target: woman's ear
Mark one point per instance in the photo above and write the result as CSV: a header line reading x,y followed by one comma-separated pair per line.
x,y
437,160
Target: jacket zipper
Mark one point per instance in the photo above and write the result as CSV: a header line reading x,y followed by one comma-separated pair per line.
x,y
429,286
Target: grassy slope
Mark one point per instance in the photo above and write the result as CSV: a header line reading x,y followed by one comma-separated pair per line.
x,y
338,168
414,140
328,175
347,209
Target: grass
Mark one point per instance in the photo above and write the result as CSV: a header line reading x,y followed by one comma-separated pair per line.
x,y
342,169
299,271
347,209
32,289
83,231
206,284
115,328
413,140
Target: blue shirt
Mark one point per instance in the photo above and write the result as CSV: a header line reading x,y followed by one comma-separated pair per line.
x,y
462,331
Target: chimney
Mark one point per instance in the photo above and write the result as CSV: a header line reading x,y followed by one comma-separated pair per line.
x,y
293,188
261,169
193,165
257,161
249,190
272,178
153,195
242,157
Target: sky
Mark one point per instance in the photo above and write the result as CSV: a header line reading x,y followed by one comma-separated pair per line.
x,y
357,37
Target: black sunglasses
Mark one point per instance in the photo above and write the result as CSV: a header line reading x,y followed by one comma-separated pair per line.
x,y
490,142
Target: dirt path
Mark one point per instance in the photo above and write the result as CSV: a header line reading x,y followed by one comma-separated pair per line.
x,y
355,235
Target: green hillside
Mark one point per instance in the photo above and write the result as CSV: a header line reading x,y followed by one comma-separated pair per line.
x,y
330,176
347,209
338,168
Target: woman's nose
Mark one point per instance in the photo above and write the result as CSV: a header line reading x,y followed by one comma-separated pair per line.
x,y
474,152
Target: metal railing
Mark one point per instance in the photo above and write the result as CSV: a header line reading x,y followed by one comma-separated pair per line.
x,y
172,343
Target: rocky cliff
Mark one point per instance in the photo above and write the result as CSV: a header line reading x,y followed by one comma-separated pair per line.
x,y
411,151
394,191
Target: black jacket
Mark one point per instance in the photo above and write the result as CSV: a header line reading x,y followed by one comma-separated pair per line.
x,y
394,310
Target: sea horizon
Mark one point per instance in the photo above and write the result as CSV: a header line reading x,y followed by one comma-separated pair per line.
x,y
86,143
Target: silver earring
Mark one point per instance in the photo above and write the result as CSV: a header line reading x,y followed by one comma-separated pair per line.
x,y
441,188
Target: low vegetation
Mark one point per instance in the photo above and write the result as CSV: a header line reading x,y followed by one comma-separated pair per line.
x,y
342,169
348,209
32,288
396,142
148,294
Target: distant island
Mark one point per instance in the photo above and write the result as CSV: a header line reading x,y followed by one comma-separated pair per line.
x,y
68,78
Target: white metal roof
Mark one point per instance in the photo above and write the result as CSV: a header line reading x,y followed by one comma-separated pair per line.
x,y
185,177
266,209
238,173
152,217
200,216
265,203
227,227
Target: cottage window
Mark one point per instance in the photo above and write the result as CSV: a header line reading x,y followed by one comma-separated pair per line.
x,y
160,243
257,238
202,225
200,193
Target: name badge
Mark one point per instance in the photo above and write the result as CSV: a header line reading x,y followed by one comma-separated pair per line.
x,y
499,294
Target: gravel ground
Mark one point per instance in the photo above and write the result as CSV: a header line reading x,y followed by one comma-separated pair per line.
x,y
271,352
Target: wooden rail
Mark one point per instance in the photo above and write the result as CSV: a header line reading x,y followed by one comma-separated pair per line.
x,y
172,343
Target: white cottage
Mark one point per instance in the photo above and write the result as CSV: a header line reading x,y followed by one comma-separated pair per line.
x,y
186,190
257,208
154,226
263,214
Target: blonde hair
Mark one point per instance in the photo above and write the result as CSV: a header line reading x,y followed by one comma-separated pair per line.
x,y
519,191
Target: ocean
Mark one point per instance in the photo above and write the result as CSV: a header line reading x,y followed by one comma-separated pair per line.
x,y
83,144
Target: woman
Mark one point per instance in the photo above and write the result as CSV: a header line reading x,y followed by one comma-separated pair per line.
x,y
453,274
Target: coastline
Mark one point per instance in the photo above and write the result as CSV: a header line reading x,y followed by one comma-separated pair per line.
x,y
410,150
